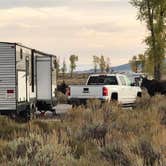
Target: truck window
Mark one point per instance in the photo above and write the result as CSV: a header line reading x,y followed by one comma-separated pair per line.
x,y
128,81
122,80
102,80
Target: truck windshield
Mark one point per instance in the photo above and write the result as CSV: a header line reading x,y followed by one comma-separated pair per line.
x,y
102,80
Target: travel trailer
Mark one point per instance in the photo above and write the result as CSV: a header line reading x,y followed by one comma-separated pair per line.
x,y
27,80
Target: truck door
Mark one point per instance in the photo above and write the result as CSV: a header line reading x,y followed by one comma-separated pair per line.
x,y
43,69
129,92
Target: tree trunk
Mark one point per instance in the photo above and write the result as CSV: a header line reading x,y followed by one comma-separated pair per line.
x,y
151,24
158,72
71,73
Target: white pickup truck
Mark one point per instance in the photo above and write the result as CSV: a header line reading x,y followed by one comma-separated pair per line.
x,y
105,87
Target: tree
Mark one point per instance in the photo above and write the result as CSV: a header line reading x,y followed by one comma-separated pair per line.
x,y
153,13
57,66
108,65
148,68
73,59
141,62
134,64
64,68
95,62
102,64
138,63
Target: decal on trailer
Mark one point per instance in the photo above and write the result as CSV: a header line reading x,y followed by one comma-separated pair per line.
x,y
10,93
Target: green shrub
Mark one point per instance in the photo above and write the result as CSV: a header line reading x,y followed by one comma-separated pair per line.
x,y
95,132
148,152
116,155
159,102
144,102
33,150
45,126
100,134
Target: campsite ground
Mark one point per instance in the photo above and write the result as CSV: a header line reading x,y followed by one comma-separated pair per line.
x,y
96,135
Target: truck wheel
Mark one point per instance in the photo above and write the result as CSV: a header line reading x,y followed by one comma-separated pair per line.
x,y
139,94
114,97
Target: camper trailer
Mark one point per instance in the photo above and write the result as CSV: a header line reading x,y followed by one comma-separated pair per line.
x,y
27,80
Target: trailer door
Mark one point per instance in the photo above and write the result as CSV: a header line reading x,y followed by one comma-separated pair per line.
x,y
44,90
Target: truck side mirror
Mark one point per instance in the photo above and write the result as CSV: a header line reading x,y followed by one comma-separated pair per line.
x,y
133,84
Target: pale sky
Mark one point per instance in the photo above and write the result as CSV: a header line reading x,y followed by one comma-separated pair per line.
x,y
81,27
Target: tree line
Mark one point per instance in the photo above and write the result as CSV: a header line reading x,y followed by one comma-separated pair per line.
x,y
73,59
101,64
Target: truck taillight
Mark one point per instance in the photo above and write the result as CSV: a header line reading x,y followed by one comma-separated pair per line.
x,y
68,92
105,91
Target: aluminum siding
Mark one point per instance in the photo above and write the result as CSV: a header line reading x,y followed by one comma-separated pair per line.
x,y
7,76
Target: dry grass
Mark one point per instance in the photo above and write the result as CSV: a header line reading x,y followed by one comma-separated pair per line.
x,y
77,79
61,98
100,134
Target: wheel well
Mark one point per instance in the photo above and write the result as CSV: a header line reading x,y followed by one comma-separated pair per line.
x,y
114,96
139,94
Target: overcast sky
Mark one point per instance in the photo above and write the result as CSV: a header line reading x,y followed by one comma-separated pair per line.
x,y
81,27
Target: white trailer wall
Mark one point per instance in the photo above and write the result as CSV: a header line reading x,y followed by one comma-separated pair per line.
x,y
23,57
7,77
44,82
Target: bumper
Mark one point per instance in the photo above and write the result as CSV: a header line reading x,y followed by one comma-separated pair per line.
x,y
77,102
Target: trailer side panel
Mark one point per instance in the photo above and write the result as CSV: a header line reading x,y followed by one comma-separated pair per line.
x,y
7,77
44,78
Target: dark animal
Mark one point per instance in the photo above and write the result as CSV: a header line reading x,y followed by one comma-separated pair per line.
x,y
62,87
154,86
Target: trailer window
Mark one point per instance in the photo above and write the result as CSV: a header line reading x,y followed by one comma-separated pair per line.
x,y
102,80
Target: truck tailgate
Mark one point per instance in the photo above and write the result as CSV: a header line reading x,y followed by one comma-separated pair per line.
x,y
84,91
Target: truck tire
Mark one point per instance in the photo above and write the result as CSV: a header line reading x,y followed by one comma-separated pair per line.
x,y
114,97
